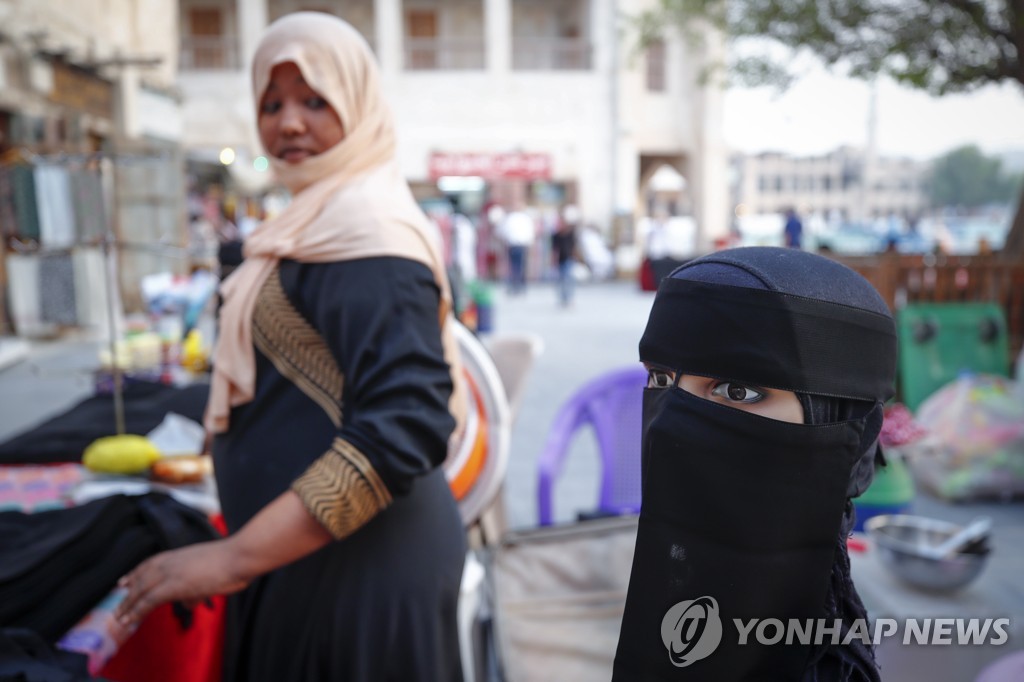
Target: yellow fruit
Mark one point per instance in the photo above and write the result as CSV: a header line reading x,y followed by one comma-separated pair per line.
x,y
125,454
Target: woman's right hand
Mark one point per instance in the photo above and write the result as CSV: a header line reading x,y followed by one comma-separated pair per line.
x,y
189,575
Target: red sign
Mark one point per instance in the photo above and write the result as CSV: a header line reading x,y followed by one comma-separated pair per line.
x,y
491,166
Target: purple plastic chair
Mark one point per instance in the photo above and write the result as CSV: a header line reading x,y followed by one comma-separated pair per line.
x,y
612,403
1009,668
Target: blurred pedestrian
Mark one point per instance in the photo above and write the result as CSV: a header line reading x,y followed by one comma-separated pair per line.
x,y
563,246
461,259
335,390
464,242
793,230
519,233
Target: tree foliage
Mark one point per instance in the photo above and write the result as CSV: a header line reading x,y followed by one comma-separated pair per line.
x,y
941,46
966,177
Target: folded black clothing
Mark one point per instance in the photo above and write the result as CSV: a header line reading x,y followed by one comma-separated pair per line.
x,y
65,437
56,566
27,657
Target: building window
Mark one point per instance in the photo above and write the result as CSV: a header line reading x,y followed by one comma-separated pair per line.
x,y
208,39
549,35
656,66
445,35
359,13
421,40
851,175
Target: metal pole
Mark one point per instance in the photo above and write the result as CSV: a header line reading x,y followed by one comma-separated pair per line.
x,y
115,369
112,257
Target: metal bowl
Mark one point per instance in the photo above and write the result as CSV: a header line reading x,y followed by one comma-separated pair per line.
x,y
901,542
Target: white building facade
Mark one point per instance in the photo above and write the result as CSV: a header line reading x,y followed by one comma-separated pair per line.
x,y
545,101
847,184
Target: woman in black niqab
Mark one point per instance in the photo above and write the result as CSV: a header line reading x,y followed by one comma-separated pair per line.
x,y
755,324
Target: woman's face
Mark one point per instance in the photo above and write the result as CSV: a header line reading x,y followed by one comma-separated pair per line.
x,y
774,404
295,122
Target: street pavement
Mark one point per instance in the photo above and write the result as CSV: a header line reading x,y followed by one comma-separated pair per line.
x,y
50,378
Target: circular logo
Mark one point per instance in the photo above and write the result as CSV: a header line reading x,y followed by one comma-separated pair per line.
x,y
691,630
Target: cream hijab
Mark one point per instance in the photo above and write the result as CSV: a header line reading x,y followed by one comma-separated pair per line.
x,y
349,202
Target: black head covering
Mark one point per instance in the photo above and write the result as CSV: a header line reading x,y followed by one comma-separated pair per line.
x,y
796,273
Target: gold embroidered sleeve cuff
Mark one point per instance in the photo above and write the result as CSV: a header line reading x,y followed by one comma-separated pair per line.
x,y
342,490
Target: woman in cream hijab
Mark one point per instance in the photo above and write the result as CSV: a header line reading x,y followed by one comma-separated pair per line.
x,y
334,393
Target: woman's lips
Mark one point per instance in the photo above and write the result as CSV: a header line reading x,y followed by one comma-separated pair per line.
x,y
294,154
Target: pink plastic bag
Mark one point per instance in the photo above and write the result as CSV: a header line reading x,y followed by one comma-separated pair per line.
x,y
975,443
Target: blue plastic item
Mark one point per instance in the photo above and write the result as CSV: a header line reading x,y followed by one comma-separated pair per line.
x,y
892,492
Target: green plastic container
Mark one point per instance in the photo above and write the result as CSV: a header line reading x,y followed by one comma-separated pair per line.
x,y
940,340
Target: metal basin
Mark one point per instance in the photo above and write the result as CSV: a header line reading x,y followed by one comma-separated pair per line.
x,y
901,541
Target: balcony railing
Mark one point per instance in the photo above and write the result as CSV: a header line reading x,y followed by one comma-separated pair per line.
x,y
435,54
551,54
204,53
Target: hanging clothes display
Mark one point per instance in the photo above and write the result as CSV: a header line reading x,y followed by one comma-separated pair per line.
x,y
26,211
57,289
23,296
8,219
87,198
56,213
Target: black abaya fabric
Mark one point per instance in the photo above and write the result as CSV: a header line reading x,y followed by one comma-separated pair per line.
x,y
65,437
380,604
56,566
27,657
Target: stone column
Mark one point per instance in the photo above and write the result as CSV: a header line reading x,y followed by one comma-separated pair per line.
x,y
708,166
498,35
251,18
387,17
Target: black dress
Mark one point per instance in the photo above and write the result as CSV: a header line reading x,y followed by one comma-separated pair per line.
x,y
350,411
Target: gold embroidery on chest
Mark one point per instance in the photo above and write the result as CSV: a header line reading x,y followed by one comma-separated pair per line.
x,y
296,349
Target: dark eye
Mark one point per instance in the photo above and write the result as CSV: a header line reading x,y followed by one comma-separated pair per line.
x,y
316,103
657,378
737,393
270,106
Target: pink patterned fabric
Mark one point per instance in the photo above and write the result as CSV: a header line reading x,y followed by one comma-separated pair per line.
x,y
36,488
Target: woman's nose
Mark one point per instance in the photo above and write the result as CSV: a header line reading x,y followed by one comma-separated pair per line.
x,y
292,122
